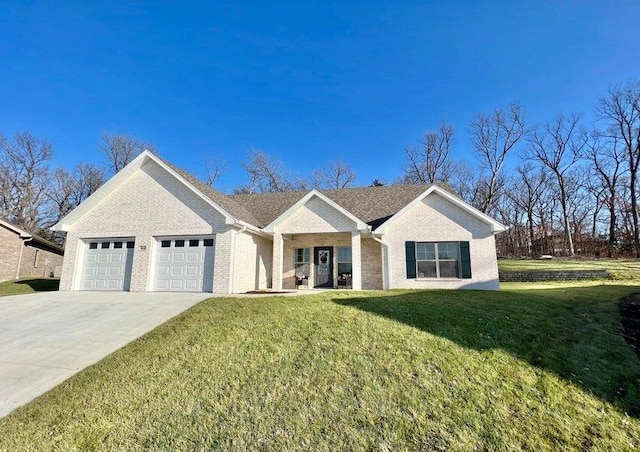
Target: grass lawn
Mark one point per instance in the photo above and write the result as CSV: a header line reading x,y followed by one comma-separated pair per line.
x,y
538,369
22,286
619,268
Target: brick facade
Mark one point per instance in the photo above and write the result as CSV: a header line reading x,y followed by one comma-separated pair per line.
x,y
437,219
9,254
37,261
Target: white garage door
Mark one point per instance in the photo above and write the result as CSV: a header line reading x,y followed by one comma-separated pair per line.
x,y
184,265
107,265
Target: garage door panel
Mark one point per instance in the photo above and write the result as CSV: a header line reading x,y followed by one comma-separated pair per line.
x,y
191,285
195,256
193,270
184,264
177,270
178,256
162,285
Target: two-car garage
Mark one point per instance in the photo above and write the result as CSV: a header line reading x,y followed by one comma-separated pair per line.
x,y
182,264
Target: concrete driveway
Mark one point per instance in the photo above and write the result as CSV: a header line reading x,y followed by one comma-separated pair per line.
x,y
47,337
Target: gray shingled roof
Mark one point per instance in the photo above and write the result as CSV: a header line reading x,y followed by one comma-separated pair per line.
x,y
373,205
225,202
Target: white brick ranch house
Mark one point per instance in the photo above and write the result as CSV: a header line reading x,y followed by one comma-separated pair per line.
x,y
154,227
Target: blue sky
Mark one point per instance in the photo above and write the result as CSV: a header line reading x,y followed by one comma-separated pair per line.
x,y
306,81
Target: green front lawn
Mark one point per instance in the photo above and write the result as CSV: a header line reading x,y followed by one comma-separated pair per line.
x,y
619,268
535,369
29,285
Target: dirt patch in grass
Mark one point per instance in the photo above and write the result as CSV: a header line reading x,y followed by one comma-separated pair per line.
x,y
630,313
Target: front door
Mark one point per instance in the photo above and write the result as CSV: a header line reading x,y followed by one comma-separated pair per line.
x,y
323,261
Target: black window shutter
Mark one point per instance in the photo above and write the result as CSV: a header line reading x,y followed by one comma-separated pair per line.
x,y
410,248
465,260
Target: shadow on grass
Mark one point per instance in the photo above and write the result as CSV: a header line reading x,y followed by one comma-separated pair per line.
x,y
41,284
573,332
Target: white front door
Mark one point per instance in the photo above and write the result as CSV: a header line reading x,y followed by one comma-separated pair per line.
x,y
107,264
184,265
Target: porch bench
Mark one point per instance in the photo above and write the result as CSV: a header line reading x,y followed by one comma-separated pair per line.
x,y
345,281
302,281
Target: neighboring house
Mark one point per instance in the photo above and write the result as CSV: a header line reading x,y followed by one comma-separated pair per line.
x,y
25,255
154,227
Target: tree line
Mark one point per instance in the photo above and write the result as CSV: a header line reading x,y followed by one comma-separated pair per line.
x,y
564,187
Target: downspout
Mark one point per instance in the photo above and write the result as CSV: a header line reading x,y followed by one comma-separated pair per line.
x,y
384,268
232,276
22,247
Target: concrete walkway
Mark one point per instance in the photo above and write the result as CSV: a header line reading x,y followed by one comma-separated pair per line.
x,y
47,337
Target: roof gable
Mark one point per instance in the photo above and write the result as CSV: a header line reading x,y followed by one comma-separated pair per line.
x,y
271,227
496,226
211,196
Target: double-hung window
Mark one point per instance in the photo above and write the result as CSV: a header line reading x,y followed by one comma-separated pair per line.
x,y
345,266
302,262
437,260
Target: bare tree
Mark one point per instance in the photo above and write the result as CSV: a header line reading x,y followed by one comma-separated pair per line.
x,y
430,163
70,188
494,136
621,110
267,174
214,169
119,150
606,157
558,145
336,175
24,179
464,180
526,190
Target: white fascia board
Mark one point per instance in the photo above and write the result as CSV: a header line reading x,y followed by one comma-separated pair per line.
x,y
97,196
118,179
496,227
360,225
21,233
251,229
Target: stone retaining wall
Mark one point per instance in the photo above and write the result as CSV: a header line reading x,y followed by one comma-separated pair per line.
x,y
555,275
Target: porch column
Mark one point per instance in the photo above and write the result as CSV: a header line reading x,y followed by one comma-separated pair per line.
x,y
278,251
356,261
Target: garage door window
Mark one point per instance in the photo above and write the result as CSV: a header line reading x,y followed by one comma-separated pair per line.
x,y
104,245
208,242
93,246
117,245
194,243
179,243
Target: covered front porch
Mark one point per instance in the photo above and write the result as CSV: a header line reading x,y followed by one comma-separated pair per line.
x,y
340,260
